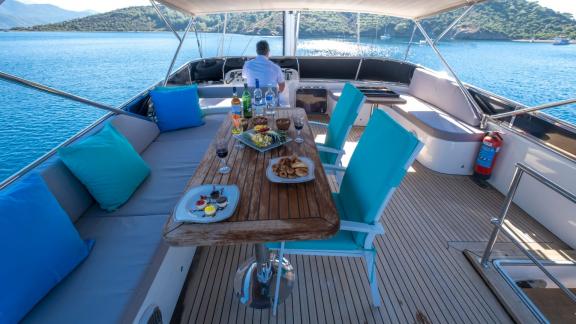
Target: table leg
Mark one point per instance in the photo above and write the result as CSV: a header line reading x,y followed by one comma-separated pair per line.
x,y
256,280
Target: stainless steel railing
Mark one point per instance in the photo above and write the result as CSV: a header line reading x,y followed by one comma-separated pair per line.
x,y
517,112
59,93
499,225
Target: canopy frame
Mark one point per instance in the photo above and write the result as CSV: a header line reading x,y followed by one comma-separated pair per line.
x,y
432,44
181,39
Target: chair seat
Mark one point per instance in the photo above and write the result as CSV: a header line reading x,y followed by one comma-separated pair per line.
x,y
342,241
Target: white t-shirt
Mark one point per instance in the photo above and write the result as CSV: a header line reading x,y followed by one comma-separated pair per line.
x,y
268,73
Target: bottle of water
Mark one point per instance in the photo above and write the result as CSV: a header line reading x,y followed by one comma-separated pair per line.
x,y
270,101
258,100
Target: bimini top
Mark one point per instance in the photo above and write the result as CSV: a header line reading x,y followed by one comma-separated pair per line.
x,y
410,9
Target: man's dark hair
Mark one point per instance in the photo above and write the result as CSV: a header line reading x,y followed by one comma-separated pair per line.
x,y
262,48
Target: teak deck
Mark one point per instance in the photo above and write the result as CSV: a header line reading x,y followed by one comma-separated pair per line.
x,y
267,212
422,273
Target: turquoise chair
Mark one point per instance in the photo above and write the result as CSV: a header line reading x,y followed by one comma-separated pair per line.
x,y
383,155
341,121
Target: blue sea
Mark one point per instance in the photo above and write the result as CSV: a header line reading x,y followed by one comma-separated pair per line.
x,y
113,67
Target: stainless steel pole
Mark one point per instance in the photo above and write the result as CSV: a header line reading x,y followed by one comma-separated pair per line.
x,y
528,109
449,68
410,43
59,93
198,40
503,211
177,52
221,48
447,30
165,20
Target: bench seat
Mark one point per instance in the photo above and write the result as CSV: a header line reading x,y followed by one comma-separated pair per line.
x,y
119,280
439,113
437,122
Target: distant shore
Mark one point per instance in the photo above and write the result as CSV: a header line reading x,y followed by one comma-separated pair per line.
x,y
538,41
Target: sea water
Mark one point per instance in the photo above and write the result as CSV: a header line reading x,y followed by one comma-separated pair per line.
x,y
113,67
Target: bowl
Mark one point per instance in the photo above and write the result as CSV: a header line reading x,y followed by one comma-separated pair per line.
x,y
283,124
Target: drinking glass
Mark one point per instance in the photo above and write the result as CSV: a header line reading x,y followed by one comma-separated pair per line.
x,y
222,153
237,129
298,121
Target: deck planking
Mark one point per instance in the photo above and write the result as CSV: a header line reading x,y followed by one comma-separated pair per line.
x,y
422,277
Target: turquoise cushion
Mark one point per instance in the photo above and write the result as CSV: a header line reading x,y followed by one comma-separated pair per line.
x,y
107,164
177,107
39,246
377,167
345,113
342,241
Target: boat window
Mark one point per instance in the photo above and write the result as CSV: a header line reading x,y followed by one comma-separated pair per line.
x,y
335,34
243,31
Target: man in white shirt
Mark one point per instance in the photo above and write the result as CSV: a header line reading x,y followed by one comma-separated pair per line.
x,y
268,73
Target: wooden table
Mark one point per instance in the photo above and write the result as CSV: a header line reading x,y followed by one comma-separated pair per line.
x,y
266,212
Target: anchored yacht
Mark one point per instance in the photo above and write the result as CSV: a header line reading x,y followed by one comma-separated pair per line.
x,y
378,191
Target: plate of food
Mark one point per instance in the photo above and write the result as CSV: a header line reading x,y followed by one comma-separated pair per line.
x,y
207,204
262,138
290,169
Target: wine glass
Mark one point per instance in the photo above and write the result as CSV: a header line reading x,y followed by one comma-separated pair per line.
x,y
222,153
298,121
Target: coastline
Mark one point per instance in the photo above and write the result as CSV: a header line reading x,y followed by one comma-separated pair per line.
x,y
538,41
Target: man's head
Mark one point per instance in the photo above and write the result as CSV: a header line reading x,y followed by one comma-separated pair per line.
x,y
262,48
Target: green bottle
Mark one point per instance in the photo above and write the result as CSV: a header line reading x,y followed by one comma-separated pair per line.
x,y
246,102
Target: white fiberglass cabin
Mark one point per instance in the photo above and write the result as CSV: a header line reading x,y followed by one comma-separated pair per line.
x,y
444,249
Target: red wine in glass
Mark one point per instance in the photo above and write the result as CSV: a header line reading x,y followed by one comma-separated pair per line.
x,y
222,152
298,125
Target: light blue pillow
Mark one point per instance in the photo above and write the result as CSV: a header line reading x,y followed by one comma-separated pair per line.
x,y
177,107
107,164
39,246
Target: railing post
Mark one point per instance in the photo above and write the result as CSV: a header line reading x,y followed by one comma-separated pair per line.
x,y
500,219
59,93
177,52
449,68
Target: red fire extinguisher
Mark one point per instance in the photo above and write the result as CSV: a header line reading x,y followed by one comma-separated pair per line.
x,y
491,144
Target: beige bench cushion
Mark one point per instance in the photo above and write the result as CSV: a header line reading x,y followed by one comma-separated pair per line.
x,y
444,94
436,122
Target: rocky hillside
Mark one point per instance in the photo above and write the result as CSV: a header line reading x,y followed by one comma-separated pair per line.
x,y
496,19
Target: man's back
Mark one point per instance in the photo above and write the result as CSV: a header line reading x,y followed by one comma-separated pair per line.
x,y
266,71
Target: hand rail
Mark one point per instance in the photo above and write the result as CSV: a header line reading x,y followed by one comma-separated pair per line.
x,y
59,93
517,112
499,225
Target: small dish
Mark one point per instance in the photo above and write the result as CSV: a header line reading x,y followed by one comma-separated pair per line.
x,y
186,210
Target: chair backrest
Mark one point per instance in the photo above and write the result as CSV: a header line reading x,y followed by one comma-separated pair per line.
x,y
383,154
341,121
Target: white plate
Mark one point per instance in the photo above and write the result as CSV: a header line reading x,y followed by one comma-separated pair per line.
x,y
274,178
184,210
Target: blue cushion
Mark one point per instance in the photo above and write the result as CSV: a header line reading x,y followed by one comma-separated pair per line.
x,y
345,113
177,107
342,241
107,164
40,246
375,169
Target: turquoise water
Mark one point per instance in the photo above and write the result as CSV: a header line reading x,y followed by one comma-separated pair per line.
x,y
113,67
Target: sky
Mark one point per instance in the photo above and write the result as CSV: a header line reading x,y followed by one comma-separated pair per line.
x,y
107,5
